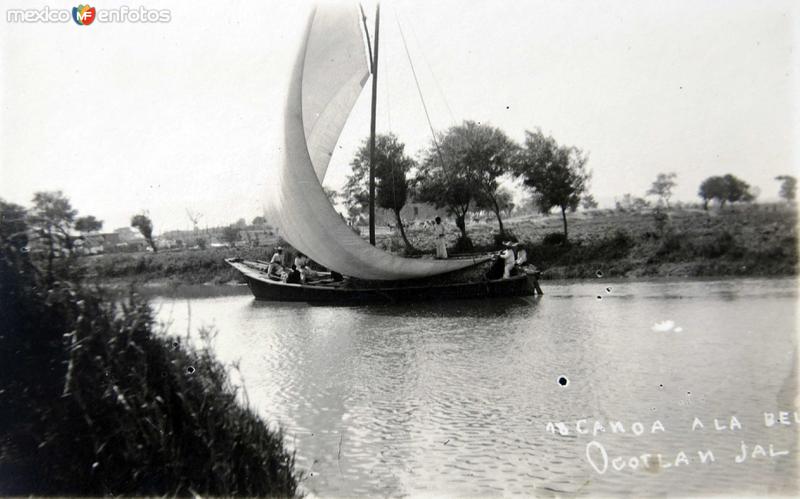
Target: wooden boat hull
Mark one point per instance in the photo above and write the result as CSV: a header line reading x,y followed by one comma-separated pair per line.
x,y
266,289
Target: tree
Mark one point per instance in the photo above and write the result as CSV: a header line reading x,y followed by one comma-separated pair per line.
x,y
556,172
88,224
145,226
738,190
662,187
464,166
331,194
51,219
505,200
788,187
356,188
488,153
13,226
725,189
445,189
500,203
530,203
588,202
712,188
631,203
392,166
259,221
230,234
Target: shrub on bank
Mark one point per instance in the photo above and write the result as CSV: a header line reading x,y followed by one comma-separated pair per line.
x,y
551,252
554,239
463,245
612,247
498,238
721,243
97,400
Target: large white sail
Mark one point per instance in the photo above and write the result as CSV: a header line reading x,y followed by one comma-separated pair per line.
x,y
328,76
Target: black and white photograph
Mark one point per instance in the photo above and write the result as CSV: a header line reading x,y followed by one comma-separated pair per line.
x,y
398,248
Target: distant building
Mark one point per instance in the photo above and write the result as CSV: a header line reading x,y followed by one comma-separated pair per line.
x,y
94,244
133,246
109,242
166,243
127,234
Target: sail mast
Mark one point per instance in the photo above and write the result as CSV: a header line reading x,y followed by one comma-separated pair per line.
x,y
374,60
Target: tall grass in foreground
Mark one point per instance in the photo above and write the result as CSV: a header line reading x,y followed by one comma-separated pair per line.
x,y
96,400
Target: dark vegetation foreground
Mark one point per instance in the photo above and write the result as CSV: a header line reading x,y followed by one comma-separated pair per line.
x,y
95,398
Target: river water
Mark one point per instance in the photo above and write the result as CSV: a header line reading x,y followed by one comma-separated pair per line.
x,y
505,396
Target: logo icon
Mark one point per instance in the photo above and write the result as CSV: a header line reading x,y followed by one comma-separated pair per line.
x,y
83,14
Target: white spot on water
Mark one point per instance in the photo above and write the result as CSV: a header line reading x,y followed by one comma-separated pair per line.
x,y
666,326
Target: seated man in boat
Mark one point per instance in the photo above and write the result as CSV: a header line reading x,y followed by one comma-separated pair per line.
x,y
496,269
520,258
500,263
509,259
276,264
302,263
522,261
293,276
522,254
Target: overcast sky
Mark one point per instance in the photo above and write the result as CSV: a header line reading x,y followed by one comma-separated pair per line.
x,y
176,116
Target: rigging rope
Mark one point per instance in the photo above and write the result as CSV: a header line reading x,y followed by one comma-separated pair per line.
x,y
419,91
433,76
387,79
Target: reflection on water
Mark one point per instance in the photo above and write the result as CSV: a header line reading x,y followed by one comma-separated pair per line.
x,y
454,398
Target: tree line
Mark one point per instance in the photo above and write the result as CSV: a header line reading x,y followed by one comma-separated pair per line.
x,y
720,189
54,229
464,167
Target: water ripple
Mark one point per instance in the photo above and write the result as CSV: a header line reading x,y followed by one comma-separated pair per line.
x,y
454,399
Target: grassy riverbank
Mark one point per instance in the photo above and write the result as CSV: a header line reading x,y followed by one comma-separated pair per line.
x,y
99,400
753,240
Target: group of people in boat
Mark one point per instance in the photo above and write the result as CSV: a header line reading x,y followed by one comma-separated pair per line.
x,y
509,261
506,264
299,272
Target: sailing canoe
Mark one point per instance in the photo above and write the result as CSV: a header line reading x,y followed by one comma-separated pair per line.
x,y
267,289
